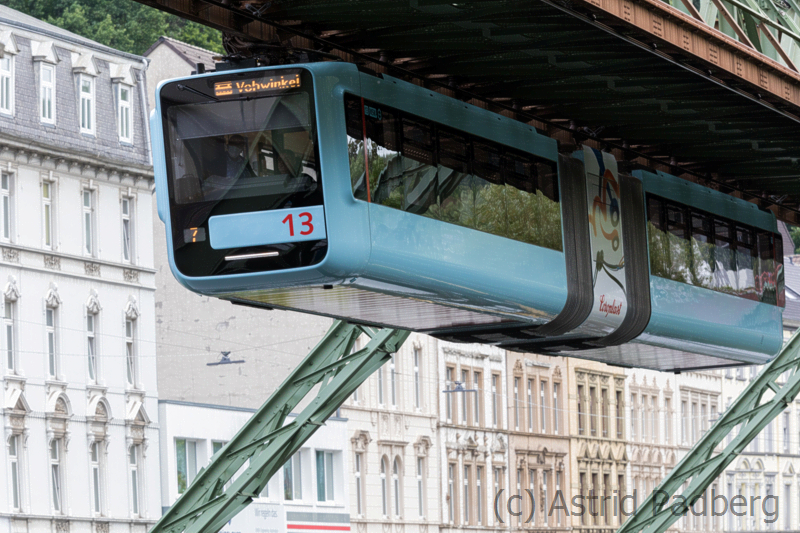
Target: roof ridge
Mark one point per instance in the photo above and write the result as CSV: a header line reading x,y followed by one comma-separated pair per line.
x,y
189,45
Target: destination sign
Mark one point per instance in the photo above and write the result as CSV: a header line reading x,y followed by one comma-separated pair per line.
x,y
260,85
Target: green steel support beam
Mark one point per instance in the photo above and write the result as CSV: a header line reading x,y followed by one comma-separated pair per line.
x,y
763,400
327,376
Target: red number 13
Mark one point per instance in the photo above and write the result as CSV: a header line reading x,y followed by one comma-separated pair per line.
x,y
306,223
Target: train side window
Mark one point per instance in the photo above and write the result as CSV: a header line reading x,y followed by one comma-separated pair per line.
x,y
383,156
780,286
355,145
745,253
702,250
766,280
678,232
724,257
534,215
658,241
491,213
455,184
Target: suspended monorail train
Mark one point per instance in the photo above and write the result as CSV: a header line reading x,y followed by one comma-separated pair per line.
x,y
328,190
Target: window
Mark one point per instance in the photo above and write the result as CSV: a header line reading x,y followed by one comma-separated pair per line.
x,y
52,355
393,380
47,85
47,215
581,421
56,481
479,488
14,471
516,404
694,422
411,148
380,387
384,489
9,330
448,406
619,416
684,422
533,490
421,486
545,499
543,406
530,405
634,420
6,217
325,476
133,463
86,85
215,447
705,250
124,114
88,222
786,432
417,385
787,507
359,487
557,494
556,404
654,419
91,346
186,462
519,493
451,492
464,380
477,384
97,477
604,412
467,495
293,478
396,488
127,229
7,84
498,484
495,417
130,351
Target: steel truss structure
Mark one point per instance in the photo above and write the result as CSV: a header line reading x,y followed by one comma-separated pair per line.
x,y
327,376
763,400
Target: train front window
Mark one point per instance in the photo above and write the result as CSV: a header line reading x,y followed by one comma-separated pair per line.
x,y
263,147
242,143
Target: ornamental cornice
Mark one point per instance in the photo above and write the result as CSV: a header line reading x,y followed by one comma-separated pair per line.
x,y
84,165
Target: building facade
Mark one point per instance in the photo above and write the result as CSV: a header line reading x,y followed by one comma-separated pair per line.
x,y
392,443
80,449
308,494
473,437
598,447
538,436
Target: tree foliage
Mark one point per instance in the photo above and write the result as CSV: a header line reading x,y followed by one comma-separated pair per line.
x,y
121,24
794,231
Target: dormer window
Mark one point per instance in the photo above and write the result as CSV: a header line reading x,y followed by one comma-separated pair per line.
x,y
86,86
7,84
47,88
124,113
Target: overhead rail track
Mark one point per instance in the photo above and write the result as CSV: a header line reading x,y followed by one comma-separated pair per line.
x,y
647,80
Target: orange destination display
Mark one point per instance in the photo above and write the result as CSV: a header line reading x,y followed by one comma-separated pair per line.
x,y
271,83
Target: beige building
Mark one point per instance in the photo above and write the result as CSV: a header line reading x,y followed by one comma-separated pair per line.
x,y
598,455
393,459
539,440
473,436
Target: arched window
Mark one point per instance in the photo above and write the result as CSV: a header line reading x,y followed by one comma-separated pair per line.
x,y
396,486
384,488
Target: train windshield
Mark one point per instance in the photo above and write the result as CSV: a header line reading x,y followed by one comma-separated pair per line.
x,y
236,149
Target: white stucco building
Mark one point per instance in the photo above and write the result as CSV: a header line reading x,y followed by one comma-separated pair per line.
x,y
80,447
308,494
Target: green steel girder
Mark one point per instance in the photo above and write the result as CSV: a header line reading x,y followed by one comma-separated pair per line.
x,y
267,441
763,400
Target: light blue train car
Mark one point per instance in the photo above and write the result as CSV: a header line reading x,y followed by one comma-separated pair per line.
x,y
323,189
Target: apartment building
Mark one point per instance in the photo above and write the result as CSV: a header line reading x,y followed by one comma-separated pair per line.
x,y
77,280
539,440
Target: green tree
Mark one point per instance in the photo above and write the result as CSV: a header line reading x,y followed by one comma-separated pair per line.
x,y
121,24
794,231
